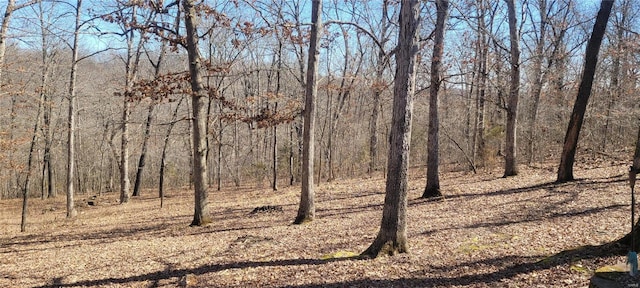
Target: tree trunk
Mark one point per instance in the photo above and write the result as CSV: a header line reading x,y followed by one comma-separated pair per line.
x,y
198,102
274,154
71,210
511,163
565,170
633,171
47,167
143,153
219,150
163,158
34,139
378,87
306,210
130,73
432,189
46,179
275,127
6,20
479,122
291,156
392,237
616,71
124,153
236,155
538,79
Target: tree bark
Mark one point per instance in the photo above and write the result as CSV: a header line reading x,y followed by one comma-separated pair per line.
x,y
125,182
306,210
199,107
392,237
511,163
432,189
143,153
565,170
71,211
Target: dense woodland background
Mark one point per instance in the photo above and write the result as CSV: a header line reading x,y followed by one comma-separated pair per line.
x,y
255,55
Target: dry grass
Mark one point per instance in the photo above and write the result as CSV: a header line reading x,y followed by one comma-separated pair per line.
x,y
488,232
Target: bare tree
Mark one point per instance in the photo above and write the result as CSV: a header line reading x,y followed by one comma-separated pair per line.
x,y
157,67
306,210
36,126
392,237
382,61
199,108
480,84
565,170
511,163
71,210
131,70
143,152
4,27
433,182
165,146
47,59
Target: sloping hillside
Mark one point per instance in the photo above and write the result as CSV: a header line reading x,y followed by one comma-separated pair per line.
x,y
488,232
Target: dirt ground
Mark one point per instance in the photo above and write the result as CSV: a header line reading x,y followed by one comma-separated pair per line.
x,y
488,232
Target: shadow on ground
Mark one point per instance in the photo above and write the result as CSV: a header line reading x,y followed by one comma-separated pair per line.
x,y
511,266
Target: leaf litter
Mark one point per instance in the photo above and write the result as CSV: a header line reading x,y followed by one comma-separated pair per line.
x,y
488,231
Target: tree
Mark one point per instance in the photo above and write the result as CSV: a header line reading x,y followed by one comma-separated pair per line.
x,y
157,68
199,109
392,237
71,210
143,152
554,20
633,171
511,164
481,51
34,136
382,60
306,210
47,166
132,61
565,170
163,157
433,182
538,79
622,21
4,27
130,74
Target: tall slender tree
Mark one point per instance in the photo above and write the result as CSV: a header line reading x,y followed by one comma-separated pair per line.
x,y
199,109
511,163
379,86
538,79
47,59
482,51
306,210
565,170
71,120
433,181
392,237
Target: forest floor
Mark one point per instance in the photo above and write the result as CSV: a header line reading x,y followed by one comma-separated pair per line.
x,y
489,231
